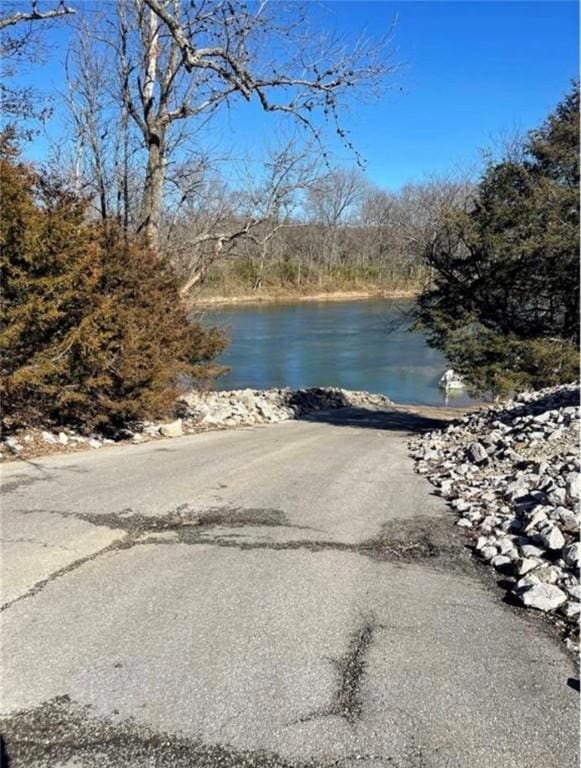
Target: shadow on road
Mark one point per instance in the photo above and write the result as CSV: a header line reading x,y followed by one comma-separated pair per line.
x,y
4,757
395,420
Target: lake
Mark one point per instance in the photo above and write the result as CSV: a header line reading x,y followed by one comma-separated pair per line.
x,y
363,345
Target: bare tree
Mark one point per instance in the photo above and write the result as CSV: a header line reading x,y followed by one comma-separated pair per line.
x,y
377,231
210,247
335,195
332,200
288,172
420,207
94,130
182,61
280,221
107,154
243,221
207,227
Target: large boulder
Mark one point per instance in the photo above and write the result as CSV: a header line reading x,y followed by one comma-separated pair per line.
x,y
543,597
172,429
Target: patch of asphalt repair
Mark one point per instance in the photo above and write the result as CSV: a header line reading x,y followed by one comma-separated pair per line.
x,y
424,540
351,669
348,701
62,732
136,524
431,542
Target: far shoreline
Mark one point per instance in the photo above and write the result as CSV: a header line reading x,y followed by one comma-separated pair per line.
x,y
291,297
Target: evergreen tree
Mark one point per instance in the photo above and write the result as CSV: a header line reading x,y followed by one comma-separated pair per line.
x,y
504,300
94,331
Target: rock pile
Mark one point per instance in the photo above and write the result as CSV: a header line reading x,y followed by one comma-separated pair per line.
x,y
512,475
198,411
251,406
31,442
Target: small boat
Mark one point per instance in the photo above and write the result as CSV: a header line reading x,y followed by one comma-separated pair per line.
x,y
451,380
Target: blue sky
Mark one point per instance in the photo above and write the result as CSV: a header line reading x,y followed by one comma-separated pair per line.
x,y
469,72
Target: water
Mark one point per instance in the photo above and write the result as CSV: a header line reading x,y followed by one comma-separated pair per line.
x,y
362,345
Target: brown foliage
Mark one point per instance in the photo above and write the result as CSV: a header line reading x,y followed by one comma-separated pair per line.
x,y
93,331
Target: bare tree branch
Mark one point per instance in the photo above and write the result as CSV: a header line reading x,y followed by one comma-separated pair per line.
x,y
35,15
219,240
222,46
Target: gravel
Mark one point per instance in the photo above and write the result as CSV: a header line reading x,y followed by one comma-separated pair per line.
x,y
512,475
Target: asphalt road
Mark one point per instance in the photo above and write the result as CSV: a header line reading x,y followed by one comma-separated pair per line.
x,y
288,596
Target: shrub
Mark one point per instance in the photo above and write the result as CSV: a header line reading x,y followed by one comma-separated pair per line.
x,y
504,300
94,331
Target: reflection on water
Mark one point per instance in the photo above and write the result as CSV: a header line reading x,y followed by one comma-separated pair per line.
x,y
351,344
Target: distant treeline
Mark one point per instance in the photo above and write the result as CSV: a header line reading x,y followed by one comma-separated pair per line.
x,y
331,233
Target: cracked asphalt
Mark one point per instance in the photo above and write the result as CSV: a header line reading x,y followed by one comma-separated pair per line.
x,y
289,596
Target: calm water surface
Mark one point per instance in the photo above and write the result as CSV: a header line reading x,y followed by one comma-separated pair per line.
x,y
352,344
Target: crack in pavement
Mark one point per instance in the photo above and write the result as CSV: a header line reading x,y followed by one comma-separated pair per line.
x,y
136,525
424,540
351,668
61,731
376,548
348,700
40,585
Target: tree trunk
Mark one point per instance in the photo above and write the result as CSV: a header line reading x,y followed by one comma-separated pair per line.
x,y
154,134
259,273
124,185
153,191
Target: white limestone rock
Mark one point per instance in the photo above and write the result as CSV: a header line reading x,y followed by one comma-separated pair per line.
x,y
477,453
172,429
525,564
552,538
572,555
543,597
